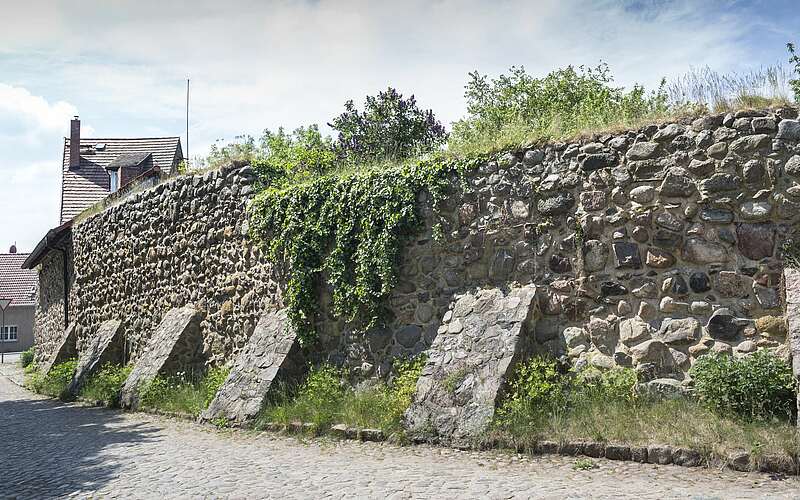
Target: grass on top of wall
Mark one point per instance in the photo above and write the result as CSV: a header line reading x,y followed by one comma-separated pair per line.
x,y
182,393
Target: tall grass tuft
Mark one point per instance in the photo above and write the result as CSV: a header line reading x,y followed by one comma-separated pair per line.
x,y
719,92
182,393
325,399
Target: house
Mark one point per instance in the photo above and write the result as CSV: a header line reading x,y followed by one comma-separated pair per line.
x,y
20,286
93,171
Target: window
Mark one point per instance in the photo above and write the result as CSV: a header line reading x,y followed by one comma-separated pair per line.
x,y
8,334
114,175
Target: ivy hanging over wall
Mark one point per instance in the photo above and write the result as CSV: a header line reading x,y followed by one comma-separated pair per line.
x,y
349,229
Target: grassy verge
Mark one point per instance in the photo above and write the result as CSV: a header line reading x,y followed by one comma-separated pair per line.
x,y
182,393
676,422
104,386
546,403
55,383
324,399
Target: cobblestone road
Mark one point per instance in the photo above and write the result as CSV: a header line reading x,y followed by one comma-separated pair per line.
x,y
48,449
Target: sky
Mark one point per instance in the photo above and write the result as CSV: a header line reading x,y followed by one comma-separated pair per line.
x,y
254,64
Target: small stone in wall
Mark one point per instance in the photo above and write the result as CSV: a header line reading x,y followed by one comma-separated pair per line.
x,y
603,335
519,209
640,234
749,143
647,310
720,182
718,150
557,204
753,172
700,308
597,161
669,221
593,200
612,288
634,331
731,284
595,255
746,346
626,255
643,194
642,151
624,308
788,130
675,285
560,264
667,240
574,336
723,325
701,168
716,215
659,258
679,331
756,241
677,183
755,210
699,251
669,132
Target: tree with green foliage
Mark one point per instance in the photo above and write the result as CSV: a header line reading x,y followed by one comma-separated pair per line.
x,y
794,60
389,126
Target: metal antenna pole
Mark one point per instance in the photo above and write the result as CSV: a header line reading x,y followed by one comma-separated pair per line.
x,y
187,123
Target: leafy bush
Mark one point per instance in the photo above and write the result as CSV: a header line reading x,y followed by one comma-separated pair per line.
x,y
518,108
105,384
27,357
759,386
794,60
388,127
55,383
182,393
540,389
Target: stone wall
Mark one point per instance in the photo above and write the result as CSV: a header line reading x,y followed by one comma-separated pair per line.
x,y
181,242
49,323
648,248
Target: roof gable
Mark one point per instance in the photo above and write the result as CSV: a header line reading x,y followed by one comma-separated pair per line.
x,y
84,186
16,283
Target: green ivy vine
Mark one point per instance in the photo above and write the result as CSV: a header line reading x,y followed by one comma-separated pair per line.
x,y
348,230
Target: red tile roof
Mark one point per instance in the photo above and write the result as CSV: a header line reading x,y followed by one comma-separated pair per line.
x,y
16,283
85,186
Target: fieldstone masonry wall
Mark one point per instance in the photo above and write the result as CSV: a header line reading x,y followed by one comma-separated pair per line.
x,y
648,248
49,326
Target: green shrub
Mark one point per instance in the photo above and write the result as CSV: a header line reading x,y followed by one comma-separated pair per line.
x,y
759,386
211,383
182,393
323,399
27,357
55,383
105,384
517,108
541,390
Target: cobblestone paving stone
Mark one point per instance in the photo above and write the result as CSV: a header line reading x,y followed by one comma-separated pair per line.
x,y
50,449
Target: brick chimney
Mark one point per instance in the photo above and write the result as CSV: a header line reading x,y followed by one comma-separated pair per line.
x,y
75,143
